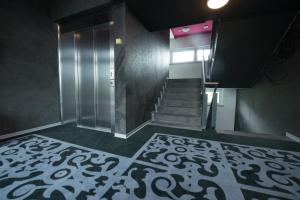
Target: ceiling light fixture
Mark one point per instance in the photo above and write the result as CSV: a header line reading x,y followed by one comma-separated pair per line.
x,y
216,4
185,29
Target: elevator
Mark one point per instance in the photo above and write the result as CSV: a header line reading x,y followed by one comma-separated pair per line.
x,y
86,68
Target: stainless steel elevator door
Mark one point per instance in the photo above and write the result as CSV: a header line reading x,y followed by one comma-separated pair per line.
x,y
67,77
102,47
86,79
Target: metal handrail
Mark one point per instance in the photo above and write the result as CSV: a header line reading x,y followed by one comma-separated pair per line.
x,y
210,122
206,122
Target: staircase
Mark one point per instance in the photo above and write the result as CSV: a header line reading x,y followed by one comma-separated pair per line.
x,y
179,104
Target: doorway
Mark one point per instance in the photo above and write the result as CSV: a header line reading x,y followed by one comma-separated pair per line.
x,y
87,77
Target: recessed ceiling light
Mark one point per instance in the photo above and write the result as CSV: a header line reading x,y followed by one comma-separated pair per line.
x,y
185,29
216,4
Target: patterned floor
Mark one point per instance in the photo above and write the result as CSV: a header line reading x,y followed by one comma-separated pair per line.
x,y
166,167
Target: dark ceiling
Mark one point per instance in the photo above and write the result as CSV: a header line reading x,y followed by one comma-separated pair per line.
x,y
164,14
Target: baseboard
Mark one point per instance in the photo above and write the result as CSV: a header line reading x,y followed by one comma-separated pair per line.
x,y
176,126
120,135
69,121
19,133
138,128
292,137
106,130
123,136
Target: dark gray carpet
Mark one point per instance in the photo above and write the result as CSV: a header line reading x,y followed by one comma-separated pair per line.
x,y
164,167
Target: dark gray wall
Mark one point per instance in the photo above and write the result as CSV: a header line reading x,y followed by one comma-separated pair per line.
x,y
28,66
273,107
147,66
120,84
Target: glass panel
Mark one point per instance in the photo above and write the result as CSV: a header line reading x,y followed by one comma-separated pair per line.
x,y
210,96
200,54
210,92
183,56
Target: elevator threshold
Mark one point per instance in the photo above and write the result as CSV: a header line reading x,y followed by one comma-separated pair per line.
x,y
107,130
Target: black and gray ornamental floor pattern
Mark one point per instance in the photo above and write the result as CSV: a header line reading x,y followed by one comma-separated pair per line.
x,y
166,167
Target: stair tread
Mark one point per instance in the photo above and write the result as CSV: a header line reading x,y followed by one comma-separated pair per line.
x,y
180,88
182,93
175,123
168,106
191,106
182,98
177,115
187,96
184,79
191,84
181,104
180,109
185,100
180,115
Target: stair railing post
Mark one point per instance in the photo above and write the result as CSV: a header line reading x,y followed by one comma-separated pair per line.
x,y
204,110
214,111
204,113
204,95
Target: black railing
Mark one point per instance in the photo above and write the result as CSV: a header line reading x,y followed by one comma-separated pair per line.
x,y
211,117
209,120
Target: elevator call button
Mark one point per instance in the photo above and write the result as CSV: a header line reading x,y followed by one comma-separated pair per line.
x,y
119,41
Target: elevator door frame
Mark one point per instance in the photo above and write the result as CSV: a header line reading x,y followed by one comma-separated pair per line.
x,y
109,26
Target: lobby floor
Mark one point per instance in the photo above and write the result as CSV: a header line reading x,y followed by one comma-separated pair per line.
x,y
66,162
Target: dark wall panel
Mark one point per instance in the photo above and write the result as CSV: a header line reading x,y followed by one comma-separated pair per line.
x,y
272,106
269,108
28,66
147,66
120,54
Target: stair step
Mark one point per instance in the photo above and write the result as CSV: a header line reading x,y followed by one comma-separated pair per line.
x,y
184,90
193,111
189,96
181,119
181,103
176,125
193,80
184,85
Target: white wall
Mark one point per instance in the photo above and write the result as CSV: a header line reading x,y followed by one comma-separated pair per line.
x,y
188,70
185,70
226,112
202,39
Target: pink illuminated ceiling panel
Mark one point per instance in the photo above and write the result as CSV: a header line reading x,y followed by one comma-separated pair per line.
x,y
192,29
